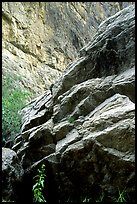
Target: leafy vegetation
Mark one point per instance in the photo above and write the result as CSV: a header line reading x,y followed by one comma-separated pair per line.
x,y
39,185
102,198
13,100
121,197
71,119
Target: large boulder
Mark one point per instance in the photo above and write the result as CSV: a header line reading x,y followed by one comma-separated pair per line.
x,y
86,133
12,174
99,156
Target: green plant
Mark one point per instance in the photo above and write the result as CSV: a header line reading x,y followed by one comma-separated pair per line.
x,y
39,185
71,119
121,197
13,100
85,200
100,198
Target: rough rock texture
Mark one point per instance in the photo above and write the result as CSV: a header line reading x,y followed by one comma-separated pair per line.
x,y
83,128
12,173
39,39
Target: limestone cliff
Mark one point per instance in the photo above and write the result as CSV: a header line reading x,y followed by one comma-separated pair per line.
x,y
83,127
39,39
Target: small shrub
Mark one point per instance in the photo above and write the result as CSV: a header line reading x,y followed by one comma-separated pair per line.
x,y
71,119
39,185
13,100
121,197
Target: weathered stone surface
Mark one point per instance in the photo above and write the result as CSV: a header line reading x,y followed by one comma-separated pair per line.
x,y
12,173
37,112
88,141
81,99
39,39
111,51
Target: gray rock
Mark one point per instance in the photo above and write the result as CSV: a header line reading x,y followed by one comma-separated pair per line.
x,y
88,140
12,174
37,112
111,52
39,50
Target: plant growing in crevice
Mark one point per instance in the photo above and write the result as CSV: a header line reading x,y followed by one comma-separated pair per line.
x,y
38,187
71,119
121,197
102,198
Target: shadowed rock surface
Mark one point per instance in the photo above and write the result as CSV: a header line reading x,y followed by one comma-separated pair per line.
x,y
83,128
12,173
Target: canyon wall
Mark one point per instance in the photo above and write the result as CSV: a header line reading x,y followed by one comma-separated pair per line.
x,y
39,39
83,127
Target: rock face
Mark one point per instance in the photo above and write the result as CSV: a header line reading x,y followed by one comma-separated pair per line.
x,y
83,128
12,173
39,39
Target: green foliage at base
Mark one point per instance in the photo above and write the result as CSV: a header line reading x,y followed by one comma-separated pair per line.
x,y
39,185
103,197
121,197
13,100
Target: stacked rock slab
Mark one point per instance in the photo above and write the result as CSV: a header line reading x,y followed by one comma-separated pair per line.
x,y
83,129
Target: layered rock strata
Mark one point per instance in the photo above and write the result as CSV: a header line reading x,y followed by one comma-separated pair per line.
x,y
39,39
83,128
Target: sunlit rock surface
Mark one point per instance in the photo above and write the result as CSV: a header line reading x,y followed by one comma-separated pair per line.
x,y
39,39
